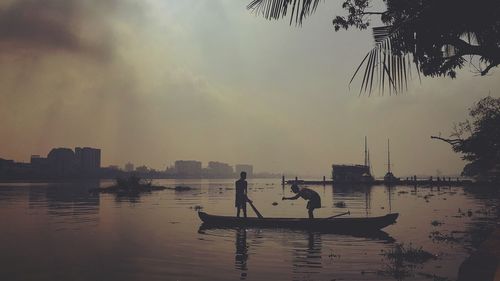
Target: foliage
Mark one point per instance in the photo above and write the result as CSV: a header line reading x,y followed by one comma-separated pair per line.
x,y
435,37
478,139
132,183
403,260
411,254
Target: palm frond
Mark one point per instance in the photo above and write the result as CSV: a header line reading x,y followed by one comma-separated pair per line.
x,y
277,9
383,65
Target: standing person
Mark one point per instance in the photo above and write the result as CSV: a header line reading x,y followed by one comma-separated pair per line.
x,y
241,195
312,197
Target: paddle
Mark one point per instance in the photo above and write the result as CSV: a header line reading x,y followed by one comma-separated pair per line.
x,y
346,213
255,209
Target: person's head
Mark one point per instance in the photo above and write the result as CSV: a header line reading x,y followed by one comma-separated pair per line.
x,y
295,188
243,175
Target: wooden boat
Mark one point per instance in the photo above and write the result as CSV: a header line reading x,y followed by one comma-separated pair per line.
x,y
337,225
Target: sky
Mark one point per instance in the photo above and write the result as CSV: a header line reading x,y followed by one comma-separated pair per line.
x,y
156,81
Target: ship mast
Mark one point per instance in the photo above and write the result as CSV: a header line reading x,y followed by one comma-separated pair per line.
x,y
366,153
369,163
388,157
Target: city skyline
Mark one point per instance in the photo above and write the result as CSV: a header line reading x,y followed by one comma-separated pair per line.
x,y
130,166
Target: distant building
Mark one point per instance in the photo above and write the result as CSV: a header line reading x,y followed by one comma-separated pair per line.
x,y
39,166
219,170
351,174
170,172
114,167
6,165
38,162
142,169
88,159
62,161
129,167
244,168
188,169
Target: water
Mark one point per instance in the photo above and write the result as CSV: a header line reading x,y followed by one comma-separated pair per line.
x,y
60,232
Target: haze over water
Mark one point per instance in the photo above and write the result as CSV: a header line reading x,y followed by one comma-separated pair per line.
x,y
61,232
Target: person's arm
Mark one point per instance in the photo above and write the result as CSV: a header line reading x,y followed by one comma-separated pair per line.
x,y
297,196
245,190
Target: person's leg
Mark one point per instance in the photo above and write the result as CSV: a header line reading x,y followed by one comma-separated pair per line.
x,y
245,210
238,212
310,212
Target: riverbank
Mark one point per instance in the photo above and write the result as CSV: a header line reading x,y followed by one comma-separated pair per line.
x,y
483,264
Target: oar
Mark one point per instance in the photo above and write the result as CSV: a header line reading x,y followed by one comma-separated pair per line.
x,y
346,213
255,209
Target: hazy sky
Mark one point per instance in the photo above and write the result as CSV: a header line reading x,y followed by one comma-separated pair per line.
x,y
156,81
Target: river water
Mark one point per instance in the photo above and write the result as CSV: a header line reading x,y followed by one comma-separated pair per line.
x,y
61,232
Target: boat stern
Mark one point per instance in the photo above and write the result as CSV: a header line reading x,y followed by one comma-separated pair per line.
x,y
202,216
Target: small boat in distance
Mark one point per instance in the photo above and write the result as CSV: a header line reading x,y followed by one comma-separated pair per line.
x,y
334,225
389,177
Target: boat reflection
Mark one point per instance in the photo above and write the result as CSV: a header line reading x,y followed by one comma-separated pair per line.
x,y
374,235
304,248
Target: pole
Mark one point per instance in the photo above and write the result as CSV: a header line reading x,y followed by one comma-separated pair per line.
x,y
346,213
255,209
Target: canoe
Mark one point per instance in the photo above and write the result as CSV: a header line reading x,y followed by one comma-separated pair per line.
x,y
337,225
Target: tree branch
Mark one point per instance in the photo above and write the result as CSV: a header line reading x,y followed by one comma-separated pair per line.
x,y
490,66
450,141
373,13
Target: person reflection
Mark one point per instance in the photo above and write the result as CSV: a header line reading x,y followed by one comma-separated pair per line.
x,y
241,256
307,260
314,249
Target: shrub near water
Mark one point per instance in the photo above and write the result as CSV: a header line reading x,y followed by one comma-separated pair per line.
x,y
403,253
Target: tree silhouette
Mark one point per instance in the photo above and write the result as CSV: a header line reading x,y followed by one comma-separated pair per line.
x,y
478,140
435,37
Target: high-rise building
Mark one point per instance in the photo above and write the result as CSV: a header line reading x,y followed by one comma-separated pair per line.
x,y
88,159
188,168
219,170
62,161
37,161
244,168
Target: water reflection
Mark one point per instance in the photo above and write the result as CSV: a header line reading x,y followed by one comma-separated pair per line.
x,y
241,256
307,256
155,238
303,250
66,203
358,196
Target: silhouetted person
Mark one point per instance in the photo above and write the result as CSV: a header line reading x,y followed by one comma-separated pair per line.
x,y
312,197
241,195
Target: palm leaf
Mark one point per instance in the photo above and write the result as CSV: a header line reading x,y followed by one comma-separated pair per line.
x,y
390,68
277,9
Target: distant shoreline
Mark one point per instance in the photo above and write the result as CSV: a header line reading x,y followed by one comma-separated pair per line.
x,y
109,179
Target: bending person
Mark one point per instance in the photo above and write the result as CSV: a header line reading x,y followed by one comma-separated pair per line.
x,y
312,197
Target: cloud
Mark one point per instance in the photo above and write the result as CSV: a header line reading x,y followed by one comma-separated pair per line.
x,y
76,26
